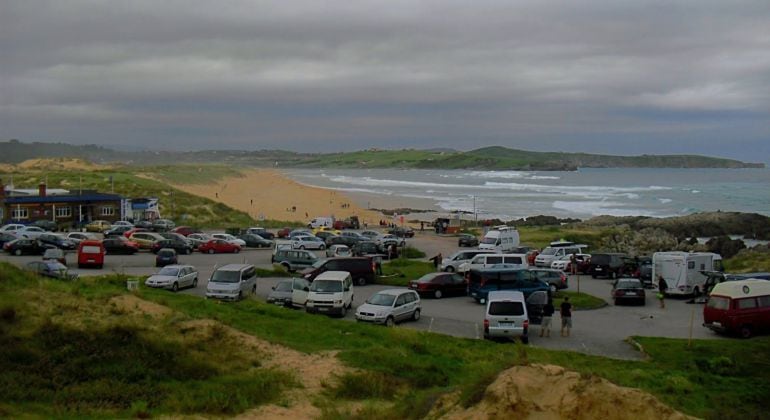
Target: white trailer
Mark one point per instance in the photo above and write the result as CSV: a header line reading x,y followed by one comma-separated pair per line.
x,y
500,239
683,270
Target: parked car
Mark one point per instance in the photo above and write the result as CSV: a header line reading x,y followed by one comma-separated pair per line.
x,y
360,268
371,234
219,246
185,230
308,242
229,238
294,259
145,240
255,241
402,232
25,247
181,247
644,271
6,237
483,281
58,241
283,232
198,238
90,254
232,282
130,232
506,316
555,279
98,226
30,232
55,254
365,248
324,235
78,237
123,223
628,290
264,233
739,307
174,277
565,263
299,232
453,262
118,230
354,235
385,241
611,265
120,245
316,231
163,225
166,256
11,227
144,224
389,307
50,268
290,292
331,293
440,284
338,251
47,225
466,239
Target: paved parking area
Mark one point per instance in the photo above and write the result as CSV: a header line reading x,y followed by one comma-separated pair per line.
x,y
600,332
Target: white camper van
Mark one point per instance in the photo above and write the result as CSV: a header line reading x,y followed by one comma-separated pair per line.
x,y
682,270
500,239
321,221
558,250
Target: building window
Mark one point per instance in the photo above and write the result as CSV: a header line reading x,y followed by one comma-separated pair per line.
x,y
108,211
64,212
20,213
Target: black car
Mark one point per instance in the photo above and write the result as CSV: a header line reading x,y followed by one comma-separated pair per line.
x,y
118,230
6,237
25,247
402,232
611,265
467,239
644,271
50,268
181,247
143,224
165,256
262,232
48,225
366,248
628,290
255,241
57,241
325,235
119,245
350,241
556,279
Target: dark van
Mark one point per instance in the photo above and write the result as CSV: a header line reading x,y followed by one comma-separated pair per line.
x,y
610,265
361,269
483,281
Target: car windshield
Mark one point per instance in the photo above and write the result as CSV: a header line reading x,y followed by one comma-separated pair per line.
x,y
381,299
629,284
168,271
600,259
221,276
427,278
330,286
284,286
489,241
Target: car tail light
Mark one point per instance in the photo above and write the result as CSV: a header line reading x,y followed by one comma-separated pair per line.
x,y
563,279
526,324
620,292
486,325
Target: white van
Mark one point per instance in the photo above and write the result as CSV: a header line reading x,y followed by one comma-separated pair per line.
x,y
321,221
331,293
506,316
500,239
454,261
232,282
488,260
553,253
683,271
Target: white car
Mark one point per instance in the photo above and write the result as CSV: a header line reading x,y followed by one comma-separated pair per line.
x,y
78,237
229,238
11,228
338,251
390,306
30,232
174,277
563,262
387,239
308,242
371,234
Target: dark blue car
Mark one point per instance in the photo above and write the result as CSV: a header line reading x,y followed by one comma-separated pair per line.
x,y
483,281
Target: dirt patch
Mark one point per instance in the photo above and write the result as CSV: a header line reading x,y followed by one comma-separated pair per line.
x,y
133,304
552,392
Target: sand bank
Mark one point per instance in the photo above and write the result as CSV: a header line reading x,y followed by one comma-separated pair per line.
x,y
269,194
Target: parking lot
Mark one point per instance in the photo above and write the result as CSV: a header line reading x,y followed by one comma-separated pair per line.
x,y
601,331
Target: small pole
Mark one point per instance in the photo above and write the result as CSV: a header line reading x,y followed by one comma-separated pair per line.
x,y
692,319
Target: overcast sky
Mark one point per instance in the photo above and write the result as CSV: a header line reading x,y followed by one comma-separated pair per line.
x,y
614,76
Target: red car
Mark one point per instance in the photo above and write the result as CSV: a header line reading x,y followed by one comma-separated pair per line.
x,y
185,230
128,233
440,284
218,246
284,233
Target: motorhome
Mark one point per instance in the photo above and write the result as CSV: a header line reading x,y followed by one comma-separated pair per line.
x,y
683,271
557,251
500,239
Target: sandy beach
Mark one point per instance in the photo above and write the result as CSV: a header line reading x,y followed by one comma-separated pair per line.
x,y
269,194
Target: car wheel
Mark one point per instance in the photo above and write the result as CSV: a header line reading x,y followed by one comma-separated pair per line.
x,y
322,247
553,289
17,252
195,283
746,331
438,294
696,292
237,250
390,322
175,287
449,269
343,311
361,281
187,251
416,315
211,251
302,247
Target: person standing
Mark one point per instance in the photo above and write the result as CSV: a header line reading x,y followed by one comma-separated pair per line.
x,y
545,324
437,261
566,317
662,287
573,263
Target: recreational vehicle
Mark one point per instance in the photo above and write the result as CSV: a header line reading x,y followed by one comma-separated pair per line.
x,y
500,239
683,271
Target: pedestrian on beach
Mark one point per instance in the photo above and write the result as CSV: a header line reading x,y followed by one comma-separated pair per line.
x,y
566,317
437,260
545,324
662,287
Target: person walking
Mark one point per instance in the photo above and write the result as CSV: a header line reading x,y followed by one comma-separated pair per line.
x,y
545,324
437,261
566,317
573,263
662,287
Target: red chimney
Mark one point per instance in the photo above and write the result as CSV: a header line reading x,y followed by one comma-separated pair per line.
x,y
41,189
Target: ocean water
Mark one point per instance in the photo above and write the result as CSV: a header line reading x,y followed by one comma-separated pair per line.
x,y
581,194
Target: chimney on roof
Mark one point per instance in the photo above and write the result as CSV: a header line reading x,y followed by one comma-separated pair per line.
x,y
41,189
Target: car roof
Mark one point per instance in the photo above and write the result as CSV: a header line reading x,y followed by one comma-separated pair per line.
x,y
333,275
179,266
395,292
505,295
234,267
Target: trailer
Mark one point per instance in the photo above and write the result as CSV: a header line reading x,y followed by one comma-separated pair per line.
x,y
683,271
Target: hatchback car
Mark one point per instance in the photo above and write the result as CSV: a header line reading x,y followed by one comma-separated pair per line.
x,y
58,241
628,290
555,279
30,232
308,242
290,293
218,246
55,254
390,306
165,256
467,239
48,225
50,268
163,225
25,247
229,238
174,277
196,239
255,241
440,284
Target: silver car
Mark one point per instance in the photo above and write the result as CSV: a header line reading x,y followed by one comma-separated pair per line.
x,y
174,277
506,316
290,292
338,251
232,282
390,306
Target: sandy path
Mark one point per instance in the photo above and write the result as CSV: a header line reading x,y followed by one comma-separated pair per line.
x,y
268,194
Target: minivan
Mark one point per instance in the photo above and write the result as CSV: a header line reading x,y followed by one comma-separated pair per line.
x,y
90,254
481,282
453,262
506,316
232,282
740,306
361,269
294,259
488,260
331,293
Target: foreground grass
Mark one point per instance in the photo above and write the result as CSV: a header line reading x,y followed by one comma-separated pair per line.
x,y
405,369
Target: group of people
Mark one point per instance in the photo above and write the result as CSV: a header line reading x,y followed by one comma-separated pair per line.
x,y
565,310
